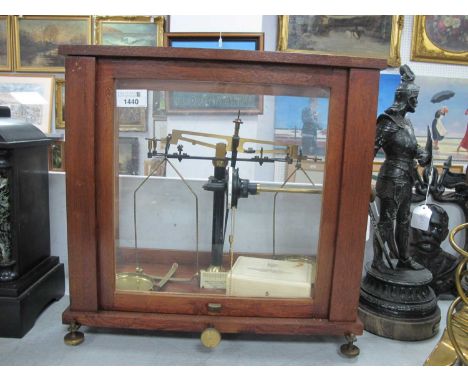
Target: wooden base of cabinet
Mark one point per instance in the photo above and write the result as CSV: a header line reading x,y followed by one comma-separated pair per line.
x,y
224,324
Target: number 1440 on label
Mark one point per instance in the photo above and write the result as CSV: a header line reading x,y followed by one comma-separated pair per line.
x,y
132,98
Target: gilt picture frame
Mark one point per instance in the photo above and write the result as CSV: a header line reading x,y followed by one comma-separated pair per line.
x,y
355,36
6,44
59,103
132,119
441,39
37,39
129,30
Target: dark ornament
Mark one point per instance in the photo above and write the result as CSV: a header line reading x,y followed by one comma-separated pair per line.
x,y
30,278
448,187
425,249
396,299
399,304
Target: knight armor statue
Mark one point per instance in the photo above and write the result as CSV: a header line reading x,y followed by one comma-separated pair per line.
x,y
396,178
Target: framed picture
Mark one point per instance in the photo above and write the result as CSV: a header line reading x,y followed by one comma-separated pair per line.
x,y
59,103
129,30
213,103
441,39
6,36
37,39
239,41
436,94
181,102
442,107
57,156
29,98
131,118
356,36
128,156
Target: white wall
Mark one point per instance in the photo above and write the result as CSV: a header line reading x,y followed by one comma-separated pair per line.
x,y
166,212
216,23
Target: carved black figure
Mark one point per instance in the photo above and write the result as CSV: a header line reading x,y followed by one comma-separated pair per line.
x,y
425,249
396,137
448,187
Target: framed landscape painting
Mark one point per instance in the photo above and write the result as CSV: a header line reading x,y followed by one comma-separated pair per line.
x,y
441,39
29,98
6,53
129,30
355,36
38,37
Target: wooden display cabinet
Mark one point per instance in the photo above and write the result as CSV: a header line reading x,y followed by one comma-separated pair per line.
x,y
100,243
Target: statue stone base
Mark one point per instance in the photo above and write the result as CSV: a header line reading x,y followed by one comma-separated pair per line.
x,y
399,304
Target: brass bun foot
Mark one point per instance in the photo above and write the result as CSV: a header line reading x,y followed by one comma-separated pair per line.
x,y
349,349
210,338
75,337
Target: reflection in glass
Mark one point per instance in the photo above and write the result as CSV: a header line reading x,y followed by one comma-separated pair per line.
x,y
230,200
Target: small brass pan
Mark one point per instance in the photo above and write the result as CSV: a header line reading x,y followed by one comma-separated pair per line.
x,y
139,281
133,281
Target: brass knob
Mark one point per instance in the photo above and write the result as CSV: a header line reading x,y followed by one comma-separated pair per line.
x,y
214,307
210,338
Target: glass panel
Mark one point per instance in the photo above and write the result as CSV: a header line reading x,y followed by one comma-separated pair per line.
x,y
219,187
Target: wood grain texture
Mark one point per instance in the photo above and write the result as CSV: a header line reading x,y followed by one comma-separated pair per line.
x,y
188,323
354,193
195,304
106,172
331,195
238,56
80,182
270,80
249,77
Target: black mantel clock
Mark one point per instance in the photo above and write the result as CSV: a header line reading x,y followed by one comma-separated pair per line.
x,y
30,278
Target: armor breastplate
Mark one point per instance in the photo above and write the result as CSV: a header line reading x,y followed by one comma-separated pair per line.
x,y
400,147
